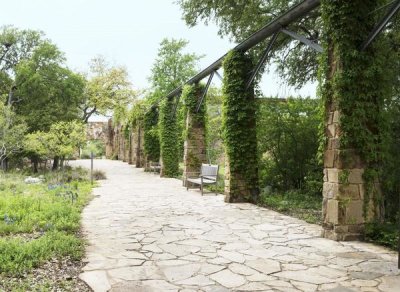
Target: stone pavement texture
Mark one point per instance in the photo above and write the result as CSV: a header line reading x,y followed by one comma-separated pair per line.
x,y
147,233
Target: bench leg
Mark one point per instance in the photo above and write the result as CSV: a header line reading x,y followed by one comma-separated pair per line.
x,y
201,188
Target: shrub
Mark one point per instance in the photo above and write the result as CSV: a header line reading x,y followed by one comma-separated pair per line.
x,y
99,174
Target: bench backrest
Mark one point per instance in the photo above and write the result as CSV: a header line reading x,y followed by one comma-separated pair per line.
x,y
209,171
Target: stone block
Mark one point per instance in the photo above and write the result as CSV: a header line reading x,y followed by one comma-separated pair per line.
x,y
329,158
333,175
348,159
332,212
336,117
331,131
330,190
355,176
325,175
354,212
351,191
341,228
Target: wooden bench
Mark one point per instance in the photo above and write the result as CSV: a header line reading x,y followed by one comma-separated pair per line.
x,y
154,167
208,175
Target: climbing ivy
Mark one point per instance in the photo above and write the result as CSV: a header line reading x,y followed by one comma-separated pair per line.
x,y
239,127
356,83
190,96
169,138
151,136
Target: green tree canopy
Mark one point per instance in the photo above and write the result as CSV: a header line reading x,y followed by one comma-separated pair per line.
x,y
107,88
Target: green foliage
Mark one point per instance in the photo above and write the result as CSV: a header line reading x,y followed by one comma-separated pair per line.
x,y
151,135
358,83
386,234
169,138
18,256
96,146
46,90
294,203
62,140
190,96
239,123
39,221
215,148
288,143
12,131
172,67
296,62
107,89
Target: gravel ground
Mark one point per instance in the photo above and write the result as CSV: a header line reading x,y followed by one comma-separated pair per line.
x,y
55,275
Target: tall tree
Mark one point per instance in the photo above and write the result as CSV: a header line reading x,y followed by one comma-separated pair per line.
x,y
15,46
12,131
46,91
172,68
108,88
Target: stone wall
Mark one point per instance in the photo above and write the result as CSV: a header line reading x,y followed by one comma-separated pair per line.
x,y
128,149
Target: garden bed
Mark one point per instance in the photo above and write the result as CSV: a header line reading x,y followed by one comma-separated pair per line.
x,y
41,247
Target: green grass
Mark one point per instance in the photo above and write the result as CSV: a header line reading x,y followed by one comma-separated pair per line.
x,y
296,204
40,222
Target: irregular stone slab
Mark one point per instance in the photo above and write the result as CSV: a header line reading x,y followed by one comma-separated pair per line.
x,y
210,268
135,273
340,288
199,280
304,276
255,286
365,275
97,280
390,284
242,269
228,279
232,256
177,273
159,285
380,267
179,250
305,287
264,266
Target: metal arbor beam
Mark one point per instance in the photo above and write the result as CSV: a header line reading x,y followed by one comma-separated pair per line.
x,y
293,14
304,40
205,91
381,25
262,60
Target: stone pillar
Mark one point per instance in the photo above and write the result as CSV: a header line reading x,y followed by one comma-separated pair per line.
x,y
195,143
353,87
343,189
139,150
239,120
130,152
109,140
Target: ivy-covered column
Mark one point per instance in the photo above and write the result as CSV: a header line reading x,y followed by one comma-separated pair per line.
x,y
110,139
195,134
169,147
139,151
239,125
151,136
353,88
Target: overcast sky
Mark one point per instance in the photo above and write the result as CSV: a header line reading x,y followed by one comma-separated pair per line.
x,y
126,32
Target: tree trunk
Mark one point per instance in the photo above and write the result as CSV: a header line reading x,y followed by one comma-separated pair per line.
x,y
55,163
35,163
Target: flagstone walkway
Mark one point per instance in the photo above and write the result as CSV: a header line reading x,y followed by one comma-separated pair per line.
x,y
147,233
